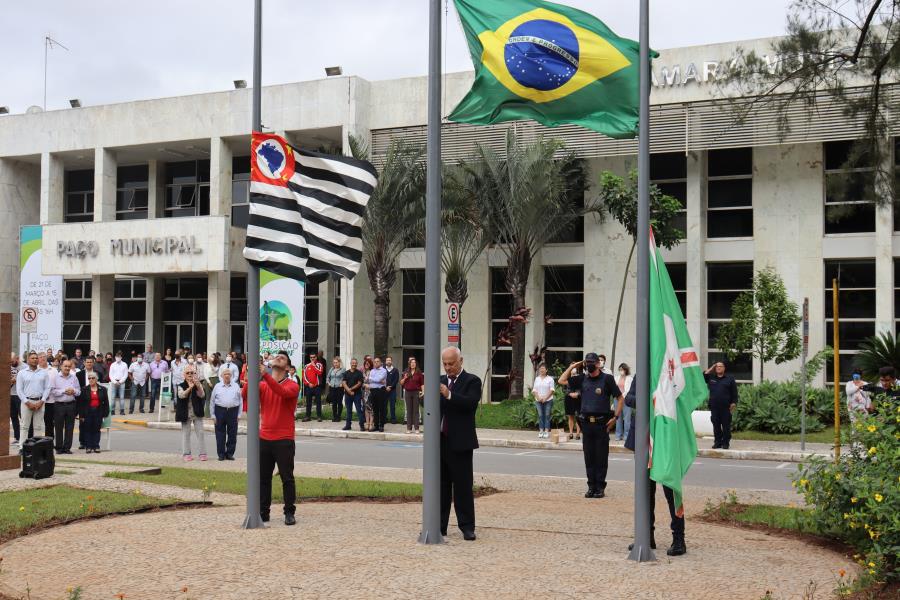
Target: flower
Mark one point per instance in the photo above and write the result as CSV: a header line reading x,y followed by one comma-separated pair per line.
x,y
871,428
871,571
842,572
846,515
21,509
878,497
871,564
803,482
872,450
854,499
837,476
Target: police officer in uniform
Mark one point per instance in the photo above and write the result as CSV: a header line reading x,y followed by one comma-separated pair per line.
x,y
597,418
723,397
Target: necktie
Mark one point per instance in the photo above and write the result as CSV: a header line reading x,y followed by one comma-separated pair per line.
x,y
450,382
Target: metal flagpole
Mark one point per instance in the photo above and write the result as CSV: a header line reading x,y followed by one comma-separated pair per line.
x,y
253,520
431,471
641,550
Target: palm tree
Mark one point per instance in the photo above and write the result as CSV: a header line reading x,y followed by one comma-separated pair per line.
x,y
882,350
393,220
462,237
526,195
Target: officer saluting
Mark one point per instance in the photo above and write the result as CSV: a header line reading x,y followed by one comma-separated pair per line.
x,y
597,417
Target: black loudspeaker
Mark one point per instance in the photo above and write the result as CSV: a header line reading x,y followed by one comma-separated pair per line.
x,y
38,460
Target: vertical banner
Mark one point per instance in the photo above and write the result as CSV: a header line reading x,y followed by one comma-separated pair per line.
x,y
42,294
281,315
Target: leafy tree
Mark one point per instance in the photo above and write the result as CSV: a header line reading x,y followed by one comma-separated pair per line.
x,y
878,351
764,323
845,51
620,199
393,220
526,195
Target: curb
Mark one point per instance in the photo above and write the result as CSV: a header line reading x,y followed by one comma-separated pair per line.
x,y
793,457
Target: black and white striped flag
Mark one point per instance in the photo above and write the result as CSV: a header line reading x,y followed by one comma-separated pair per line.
x,y
306,210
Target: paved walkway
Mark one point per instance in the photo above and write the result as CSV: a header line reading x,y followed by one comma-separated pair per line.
x,y
740,449
538,538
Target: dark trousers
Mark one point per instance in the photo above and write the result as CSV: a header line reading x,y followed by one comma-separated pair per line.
x,y
49,419
310,393
155,386
377,398
14,408
721,422
392,404
226,430
456,484
281,453
336,399
138,390
349,403
595,444
676,523
64,424
90,428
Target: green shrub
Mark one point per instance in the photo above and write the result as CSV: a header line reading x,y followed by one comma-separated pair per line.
x,y
774,407
859,496
526,413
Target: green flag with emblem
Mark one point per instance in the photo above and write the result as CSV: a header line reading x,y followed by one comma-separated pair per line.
x,y
677,386
549,63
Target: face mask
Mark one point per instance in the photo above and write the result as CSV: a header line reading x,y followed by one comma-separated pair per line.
x,y
140,359
118,359
191,360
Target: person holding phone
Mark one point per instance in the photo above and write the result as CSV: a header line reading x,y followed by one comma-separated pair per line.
x,y
858,401
189,410
597,417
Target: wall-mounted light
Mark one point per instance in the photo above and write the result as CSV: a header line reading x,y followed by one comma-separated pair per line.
x,y
239,84
333,71
4,110
75,103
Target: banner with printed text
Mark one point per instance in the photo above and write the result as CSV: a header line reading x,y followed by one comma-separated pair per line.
x,y
281,315
40,296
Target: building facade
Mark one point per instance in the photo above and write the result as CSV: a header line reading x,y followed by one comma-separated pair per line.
x,y
157,192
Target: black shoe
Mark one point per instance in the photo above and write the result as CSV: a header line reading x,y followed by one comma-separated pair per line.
x,y
290,520
221,458
229,458
393,421
599,494
725,446
305,420
80,447
444,532
96,450
89,450
381,430
589,494
716,446
469,535
677,548
362,428
142,411
346,428
652,544
265,518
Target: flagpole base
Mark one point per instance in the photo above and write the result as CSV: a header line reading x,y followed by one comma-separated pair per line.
x,y
252,521
431,537
642,553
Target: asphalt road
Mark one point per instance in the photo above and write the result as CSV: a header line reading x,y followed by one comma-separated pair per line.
x,y
743,474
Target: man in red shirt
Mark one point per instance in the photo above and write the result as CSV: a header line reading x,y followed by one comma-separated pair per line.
x,y
277,403
312,386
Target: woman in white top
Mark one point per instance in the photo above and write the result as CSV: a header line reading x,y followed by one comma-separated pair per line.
x,y
858,402
623,379
543,399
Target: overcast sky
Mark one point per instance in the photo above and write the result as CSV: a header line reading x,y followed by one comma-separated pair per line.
x,y
121,50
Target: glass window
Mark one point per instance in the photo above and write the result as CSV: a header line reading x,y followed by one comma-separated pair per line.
x,y
501,311
678,275
129,314
76,331
856,306
132,189
337,317
849,190
412,313
574,234
187,188
238,307
79,196
729,186
564,308
240,191
724,283
668,171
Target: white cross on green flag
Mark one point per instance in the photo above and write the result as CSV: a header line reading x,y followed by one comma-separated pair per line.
x,y
677,385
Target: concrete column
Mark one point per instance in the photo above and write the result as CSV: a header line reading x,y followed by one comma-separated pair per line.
x,y
104,185
696,259
476,324
156,189
347,302
102,312
218,312
153,332
220,176
884,259
534,331
52,189
327,317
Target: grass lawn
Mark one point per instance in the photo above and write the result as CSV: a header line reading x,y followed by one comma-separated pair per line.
x,y
24,510
826,436
235,482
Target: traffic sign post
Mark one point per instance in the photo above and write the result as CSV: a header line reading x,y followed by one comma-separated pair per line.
x,y
28,324
803,372
453,325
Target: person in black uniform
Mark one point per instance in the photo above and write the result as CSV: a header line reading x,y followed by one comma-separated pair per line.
x,y
723,397
597,417
677,522
460,395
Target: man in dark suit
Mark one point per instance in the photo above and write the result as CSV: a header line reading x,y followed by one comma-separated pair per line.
x,y
460,395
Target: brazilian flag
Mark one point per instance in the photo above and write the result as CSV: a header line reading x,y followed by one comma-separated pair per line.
x,y
548,63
